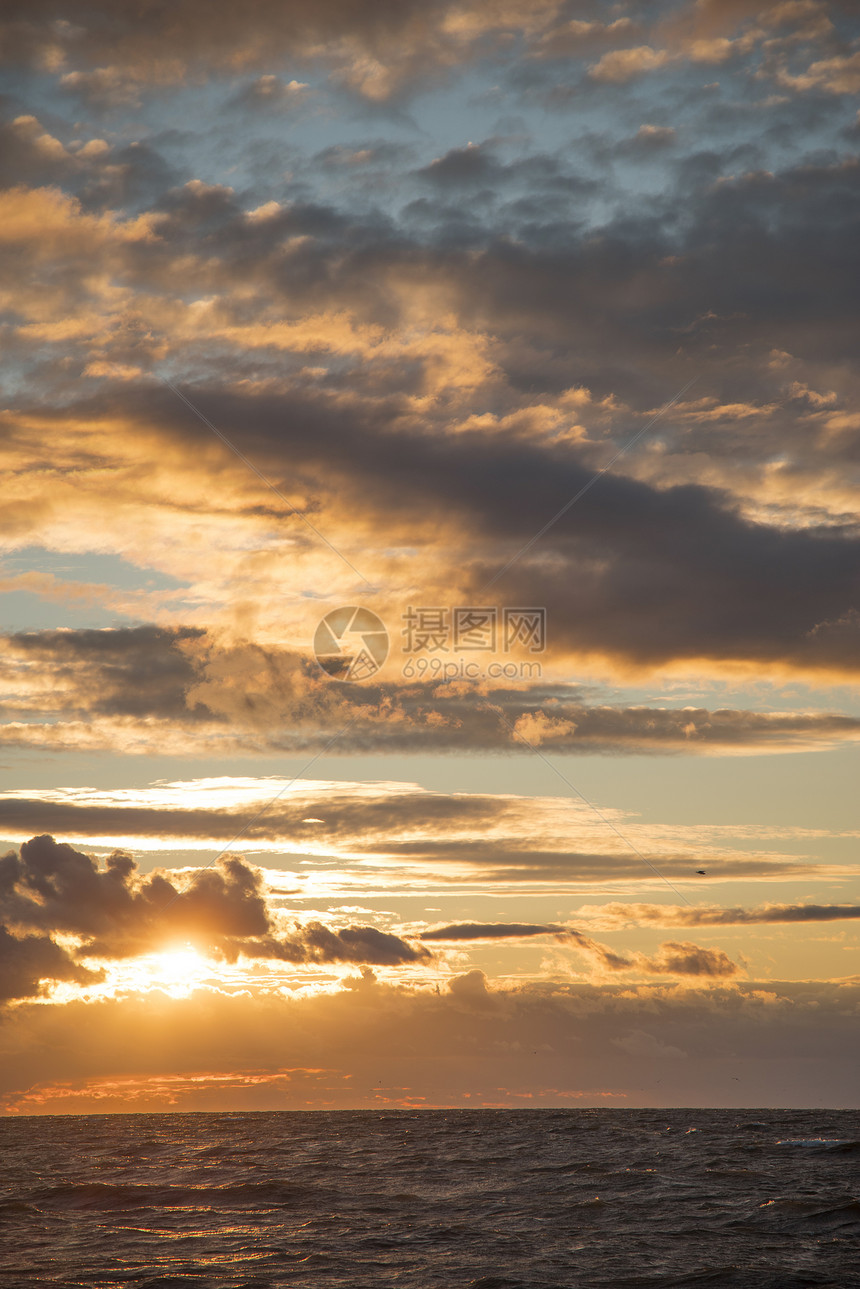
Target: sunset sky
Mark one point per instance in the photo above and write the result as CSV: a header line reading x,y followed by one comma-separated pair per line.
x,y
525,334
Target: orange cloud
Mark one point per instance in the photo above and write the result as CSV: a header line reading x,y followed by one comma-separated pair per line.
x,y
620,65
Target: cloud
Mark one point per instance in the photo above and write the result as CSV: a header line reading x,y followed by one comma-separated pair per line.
x,y
471,989
52,887
184,688
429,351
576,36
463,167
383,55
674,915
321,333
105,87
270,92
681,958
390,835
745,1042
137,671
99,173
490,931
28,962
840,75
114,913
375,54
639,1043
535,728
655,136
315,943
620,65
32,155
672,958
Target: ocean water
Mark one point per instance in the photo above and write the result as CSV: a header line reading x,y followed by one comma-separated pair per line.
x,y
483,1199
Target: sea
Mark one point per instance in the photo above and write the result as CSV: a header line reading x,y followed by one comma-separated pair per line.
x,y
433,1199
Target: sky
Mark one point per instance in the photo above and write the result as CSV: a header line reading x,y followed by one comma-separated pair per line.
x,y
429,593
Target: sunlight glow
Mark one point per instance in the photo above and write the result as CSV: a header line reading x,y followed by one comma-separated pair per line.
x,y
176,971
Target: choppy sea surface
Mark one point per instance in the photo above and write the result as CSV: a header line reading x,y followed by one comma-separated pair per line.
x,y
508,1199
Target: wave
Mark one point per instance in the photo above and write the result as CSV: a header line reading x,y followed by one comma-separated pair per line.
x,y
495,1201
102,1195
844,1145
842,1212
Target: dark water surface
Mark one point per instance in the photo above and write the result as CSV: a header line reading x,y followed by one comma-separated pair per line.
x,y
491,1199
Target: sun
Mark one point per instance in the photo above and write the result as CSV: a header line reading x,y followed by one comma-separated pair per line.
x,y
177,970
178,963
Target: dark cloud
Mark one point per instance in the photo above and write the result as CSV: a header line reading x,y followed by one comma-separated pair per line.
x,y
264,697
346,818
373,52
508,859
648,144
643,573
386,52
463,167
601,954
36,152
673,958
31,154
52,888
476,170
129,671
378,53
314,943
138,173
99,173
655,915
28,962
490,931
